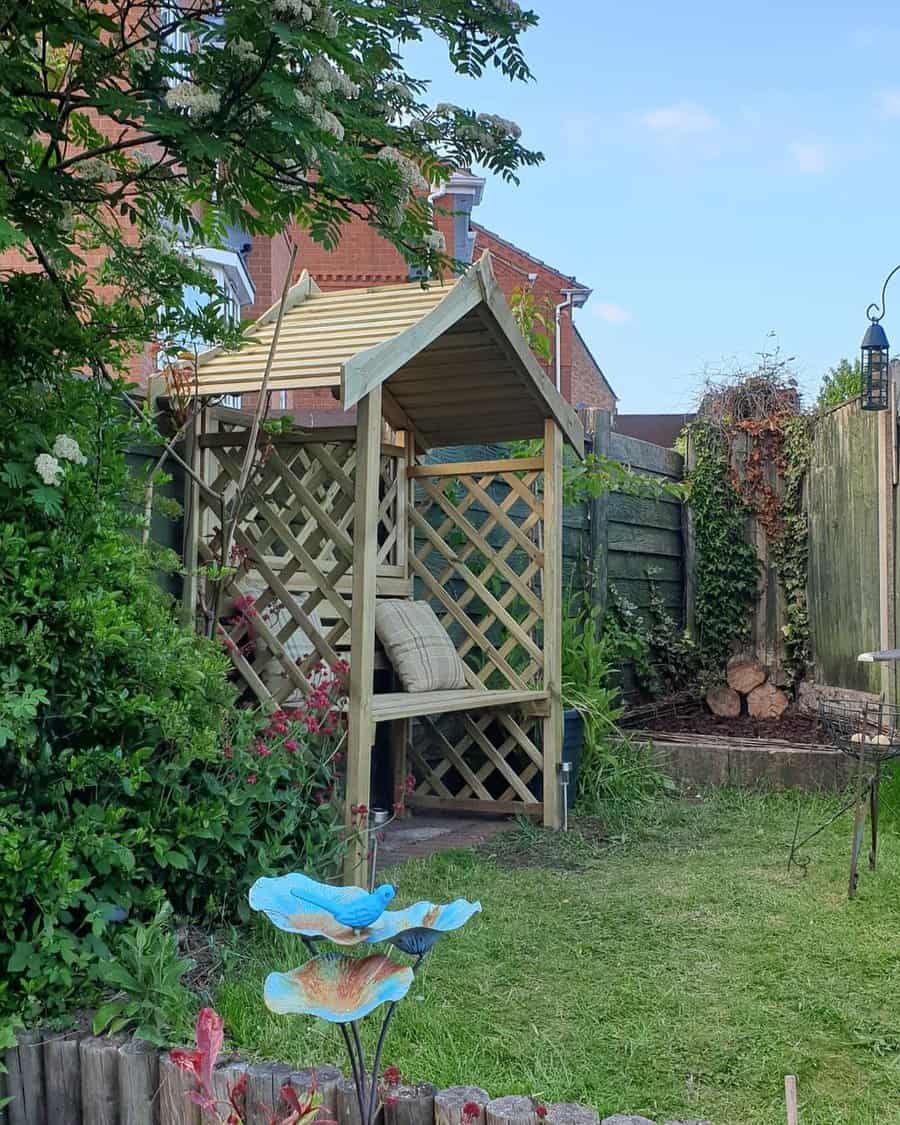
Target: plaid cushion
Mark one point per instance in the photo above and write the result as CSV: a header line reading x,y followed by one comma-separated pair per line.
x,y
418,647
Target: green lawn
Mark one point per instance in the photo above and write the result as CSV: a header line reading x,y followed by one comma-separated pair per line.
x,y
680,971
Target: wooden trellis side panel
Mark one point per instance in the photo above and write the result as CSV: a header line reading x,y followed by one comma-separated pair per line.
x,y
287,609
479,559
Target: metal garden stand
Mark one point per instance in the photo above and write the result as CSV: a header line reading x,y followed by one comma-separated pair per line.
x,y
870,734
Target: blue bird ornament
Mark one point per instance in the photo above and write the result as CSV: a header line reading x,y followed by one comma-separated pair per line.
x,y
349,906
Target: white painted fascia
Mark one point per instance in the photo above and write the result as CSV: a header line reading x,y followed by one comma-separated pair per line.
x,y
231,262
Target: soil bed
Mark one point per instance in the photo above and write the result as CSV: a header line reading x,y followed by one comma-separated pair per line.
x,y
791,727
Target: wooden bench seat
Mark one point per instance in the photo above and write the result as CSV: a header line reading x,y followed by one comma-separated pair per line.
x,y
408,705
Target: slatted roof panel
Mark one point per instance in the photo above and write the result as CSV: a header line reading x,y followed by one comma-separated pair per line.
x,y
453,363
319,333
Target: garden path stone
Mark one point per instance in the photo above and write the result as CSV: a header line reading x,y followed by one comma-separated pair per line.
x,y
626,1119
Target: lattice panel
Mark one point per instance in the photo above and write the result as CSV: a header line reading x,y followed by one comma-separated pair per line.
x,y
483,756
289,603
480,561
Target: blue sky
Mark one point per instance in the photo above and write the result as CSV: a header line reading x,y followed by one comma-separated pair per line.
x,y
715,173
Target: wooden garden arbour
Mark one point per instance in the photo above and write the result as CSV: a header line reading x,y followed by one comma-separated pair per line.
x,y
334,519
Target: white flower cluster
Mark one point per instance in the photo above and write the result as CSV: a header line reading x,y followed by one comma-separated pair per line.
x,y
48,469
315,13
508,7
194,99
96,170
410,175
323,118
397,90
328,79
244,51
501,126
67,449
436,241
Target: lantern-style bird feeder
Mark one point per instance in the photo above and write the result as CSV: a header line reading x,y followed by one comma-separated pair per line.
x,y
875,368
875,361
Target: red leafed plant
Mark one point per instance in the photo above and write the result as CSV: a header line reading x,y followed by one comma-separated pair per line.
x,y
298,1107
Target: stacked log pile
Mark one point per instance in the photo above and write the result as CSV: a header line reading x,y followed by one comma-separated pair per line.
x,y
747,679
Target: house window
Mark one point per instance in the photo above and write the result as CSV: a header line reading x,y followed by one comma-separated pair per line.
x,y
177,41
279,400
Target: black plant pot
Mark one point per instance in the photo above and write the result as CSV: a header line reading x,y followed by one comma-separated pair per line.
x,y
573,745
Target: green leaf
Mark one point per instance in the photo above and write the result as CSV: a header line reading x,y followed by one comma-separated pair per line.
x,y
105,1014
22,953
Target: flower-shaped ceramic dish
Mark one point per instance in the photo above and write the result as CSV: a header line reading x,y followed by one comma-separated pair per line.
x,y
413,929
337,988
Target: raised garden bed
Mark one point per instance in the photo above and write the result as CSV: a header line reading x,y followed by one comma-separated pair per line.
x,y
695,747
791,727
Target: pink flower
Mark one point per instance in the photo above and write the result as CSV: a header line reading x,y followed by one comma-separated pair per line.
x,y
291,746
262,749
228,751
471,1111
312,724
392,1075
540,1110
410,783
210,1034
251,778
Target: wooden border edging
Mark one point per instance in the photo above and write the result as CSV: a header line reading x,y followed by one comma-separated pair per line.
x,y
68,1078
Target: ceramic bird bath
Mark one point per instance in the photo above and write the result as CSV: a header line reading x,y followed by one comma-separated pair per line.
x,y
339,987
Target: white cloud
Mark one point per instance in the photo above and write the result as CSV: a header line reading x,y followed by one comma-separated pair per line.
x,y
611,313
808,157
889,103
680,120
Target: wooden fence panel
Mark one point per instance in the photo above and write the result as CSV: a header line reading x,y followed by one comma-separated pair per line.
x,y
842,502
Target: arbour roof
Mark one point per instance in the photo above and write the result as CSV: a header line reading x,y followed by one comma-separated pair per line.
x,y
453,363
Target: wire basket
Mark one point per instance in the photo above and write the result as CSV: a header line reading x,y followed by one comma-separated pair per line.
x,y
870,731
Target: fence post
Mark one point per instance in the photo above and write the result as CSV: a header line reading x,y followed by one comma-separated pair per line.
x,y
689,545
598,425
886,445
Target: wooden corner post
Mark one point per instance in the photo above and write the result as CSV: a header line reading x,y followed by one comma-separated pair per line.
x,y
192,525
361,730
552,589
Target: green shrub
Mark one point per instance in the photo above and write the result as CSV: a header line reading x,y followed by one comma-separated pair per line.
x,y
614,769
129,779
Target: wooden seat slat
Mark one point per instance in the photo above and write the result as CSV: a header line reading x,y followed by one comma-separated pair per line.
x,y
408,705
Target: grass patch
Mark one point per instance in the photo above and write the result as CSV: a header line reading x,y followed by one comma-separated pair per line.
x,y
677,970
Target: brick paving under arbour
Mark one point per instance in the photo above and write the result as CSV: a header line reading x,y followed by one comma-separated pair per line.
x,y
418,837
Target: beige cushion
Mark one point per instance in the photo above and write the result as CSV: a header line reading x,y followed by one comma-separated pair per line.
x,y
418,647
